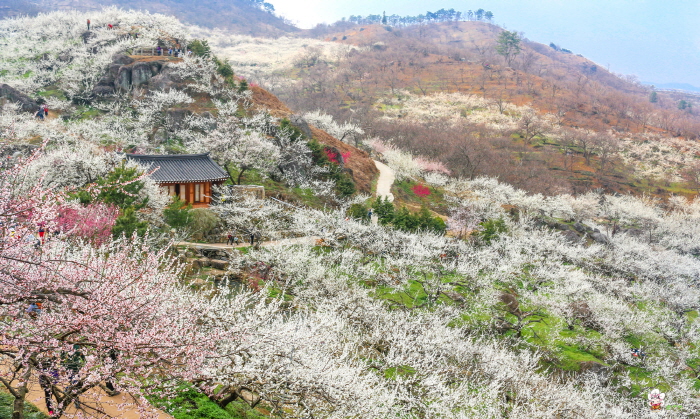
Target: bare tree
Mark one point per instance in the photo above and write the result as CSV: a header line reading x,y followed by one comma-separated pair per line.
x,y
691,174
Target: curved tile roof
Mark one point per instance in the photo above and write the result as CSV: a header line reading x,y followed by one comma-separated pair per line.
x,y
181,168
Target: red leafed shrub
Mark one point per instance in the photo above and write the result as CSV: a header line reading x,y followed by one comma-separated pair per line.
x,y
421,190
346,156
332,156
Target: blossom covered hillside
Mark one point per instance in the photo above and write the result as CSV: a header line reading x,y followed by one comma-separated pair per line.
x,y
253,17
544,119
103,96
489,301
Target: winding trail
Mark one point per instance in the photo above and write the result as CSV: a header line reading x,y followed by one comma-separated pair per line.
x,y
310,240
386,179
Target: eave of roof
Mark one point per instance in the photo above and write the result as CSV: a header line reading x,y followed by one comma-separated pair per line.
x,y
181,168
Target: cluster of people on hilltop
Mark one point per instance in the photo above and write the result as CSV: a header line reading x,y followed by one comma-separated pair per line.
x,y
174,52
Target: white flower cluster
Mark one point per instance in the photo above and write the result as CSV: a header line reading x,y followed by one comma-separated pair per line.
x,y
349,348
458,107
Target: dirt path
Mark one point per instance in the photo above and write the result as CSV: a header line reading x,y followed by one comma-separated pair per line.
x,y
386,179
384,183
94,401
310,240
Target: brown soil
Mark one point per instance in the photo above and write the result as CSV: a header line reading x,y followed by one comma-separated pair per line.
x,y
359,162
263,99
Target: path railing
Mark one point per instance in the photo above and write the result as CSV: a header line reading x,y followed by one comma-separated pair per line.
x,y
147,51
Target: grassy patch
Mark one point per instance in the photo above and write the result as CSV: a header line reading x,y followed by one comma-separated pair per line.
x,y
6,406
571,357
400,371
189,403
404,194
52,91
273,188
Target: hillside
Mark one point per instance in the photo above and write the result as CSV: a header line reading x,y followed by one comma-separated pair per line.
x,y
240,16
466,297
552,121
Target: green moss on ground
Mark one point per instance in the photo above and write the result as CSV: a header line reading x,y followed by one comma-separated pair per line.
x,y
6,406
189,403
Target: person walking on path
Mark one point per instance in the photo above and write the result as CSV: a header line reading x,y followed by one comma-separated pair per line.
x,y
229,240
40,114
88,24
111,391
46,110
252,238
73,362
47,377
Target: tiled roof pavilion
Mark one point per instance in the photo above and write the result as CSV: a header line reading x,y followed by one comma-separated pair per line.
x,y
181,168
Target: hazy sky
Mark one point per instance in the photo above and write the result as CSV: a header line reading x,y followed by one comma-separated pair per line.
x,y
658,41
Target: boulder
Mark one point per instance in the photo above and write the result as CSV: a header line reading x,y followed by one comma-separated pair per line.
x,y
599,238
122,59
592,367
102,90
122,82
571,236
176,117
166,79
156,66
219,264
580,227
141,73
106,85
26,103
301,123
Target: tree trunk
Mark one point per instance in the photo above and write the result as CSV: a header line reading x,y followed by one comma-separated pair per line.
x,y
240,175
18,405
230,175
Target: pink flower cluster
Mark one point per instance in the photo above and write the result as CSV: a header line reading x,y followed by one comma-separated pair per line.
x,y
378,145
432,166
92,223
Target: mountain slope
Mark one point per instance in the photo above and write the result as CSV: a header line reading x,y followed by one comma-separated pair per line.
x,y
548,121
532,307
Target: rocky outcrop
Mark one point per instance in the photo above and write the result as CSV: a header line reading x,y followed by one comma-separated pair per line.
x,y
87,36
122,59
125,74
123,81
166,79
141,74
106,85
11,94
299,122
